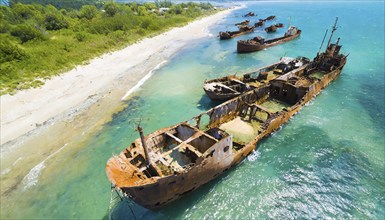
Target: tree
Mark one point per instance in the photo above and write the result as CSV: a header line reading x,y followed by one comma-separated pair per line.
x,y
150,6
111,8
142,11
23,11
55,22
88,12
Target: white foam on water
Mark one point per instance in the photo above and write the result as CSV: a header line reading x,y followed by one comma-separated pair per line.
x,y
18,159
144,79
254,156
32,177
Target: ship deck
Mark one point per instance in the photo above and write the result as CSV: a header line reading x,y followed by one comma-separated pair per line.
x,y
245,127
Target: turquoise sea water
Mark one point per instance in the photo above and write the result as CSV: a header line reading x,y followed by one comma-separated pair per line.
x,y
327,161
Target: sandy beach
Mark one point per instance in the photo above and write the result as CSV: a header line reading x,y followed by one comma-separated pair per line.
x,y
61,115
26,110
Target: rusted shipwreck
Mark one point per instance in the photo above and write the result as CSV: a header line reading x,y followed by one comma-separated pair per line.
x,y
166,164
228,87
279,25
258,43
250,14
245,29
259,24
273,28
242,23
271,17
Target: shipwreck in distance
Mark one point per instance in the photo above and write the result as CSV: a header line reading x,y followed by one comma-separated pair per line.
x,y
243,29
258,43
242,23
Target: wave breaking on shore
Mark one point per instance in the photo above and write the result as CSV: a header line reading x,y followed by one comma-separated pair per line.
x,y
143,80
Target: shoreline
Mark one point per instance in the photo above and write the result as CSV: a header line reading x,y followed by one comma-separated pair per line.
x,y
38,105
72,107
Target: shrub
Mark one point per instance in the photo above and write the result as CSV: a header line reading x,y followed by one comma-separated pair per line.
x,y
55,22
80,36
23,11
10,52
4,27
111,8
88,12
26,33
142,11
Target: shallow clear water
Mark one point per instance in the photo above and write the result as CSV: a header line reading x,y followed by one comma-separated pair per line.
x,y
327,161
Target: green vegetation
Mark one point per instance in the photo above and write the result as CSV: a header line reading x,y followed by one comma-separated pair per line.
x,y
37,42
67,4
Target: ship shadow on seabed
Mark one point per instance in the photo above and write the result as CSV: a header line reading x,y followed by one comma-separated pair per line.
x,y
205,103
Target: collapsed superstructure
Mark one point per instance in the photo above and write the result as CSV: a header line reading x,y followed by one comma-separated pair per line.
x,y
166,164
228,87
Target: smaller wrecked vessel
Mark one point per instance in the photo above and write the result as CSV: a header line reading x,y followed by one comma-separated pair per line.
x,y
245,22
228,87
258,43
271,17
279,25
271,29
260,23
231,34
250,14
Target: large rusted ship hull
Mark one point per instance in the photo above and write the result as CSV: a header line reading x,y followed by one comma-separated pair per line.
x,y
173,187
170,188
168,163
248,47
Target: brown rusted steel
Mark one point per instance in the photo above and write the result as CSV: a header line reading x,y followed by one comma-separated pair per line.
x,y
271,29
272,17
250,14
245,22
228,87
144,145
279,25
258,43
245,29
190,154
259,24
